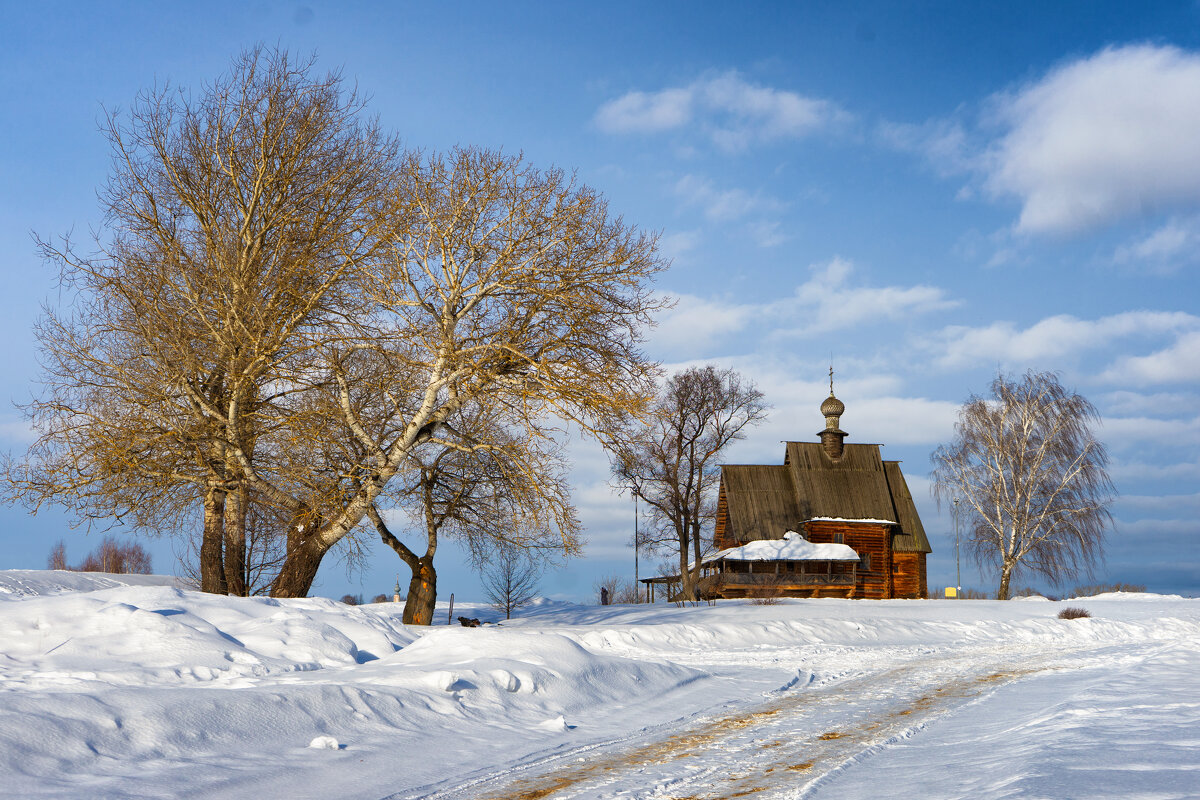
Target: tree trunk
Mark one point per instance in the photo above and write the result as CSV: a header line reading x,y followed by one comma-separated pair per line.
x,y
422,593
697,569
300,567
212,571
235,541
687,587
1005,576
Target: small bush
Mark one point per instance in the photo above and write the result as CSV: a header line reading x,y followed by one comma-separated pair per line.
x,y
352,599
1073,613
381,598
766,594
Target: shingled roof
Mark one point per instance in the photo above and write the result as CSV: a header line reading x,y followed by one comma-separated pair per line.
x,y
764,502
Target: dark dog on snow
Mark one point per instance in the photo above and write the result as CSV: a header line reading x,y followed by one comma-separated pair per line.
x,y
468,622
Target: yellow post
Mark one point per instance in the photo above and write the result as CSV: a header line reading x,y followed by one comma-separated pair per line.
x,y
951,591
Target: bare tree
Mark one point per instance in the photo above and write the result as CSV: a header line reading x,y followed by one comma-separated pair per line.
x,y
1031,479
671,462
506,288
263,549
508,496
237,223
109,556
510,580
58,556
616,590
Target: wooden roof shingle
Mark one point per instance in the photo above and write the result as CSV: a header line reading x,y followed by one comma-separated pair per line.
x,y
764,501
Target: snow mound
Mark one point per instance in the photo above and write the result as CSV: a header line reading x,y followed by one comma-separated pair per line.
x,y
323,743
15,583
157,635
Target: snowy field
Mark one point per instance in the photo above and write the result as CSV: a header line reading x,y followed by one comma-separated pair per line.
x,y
130,687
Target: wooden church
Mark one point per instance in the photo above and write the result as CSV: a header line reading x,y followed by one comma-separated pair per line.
x,y
834,520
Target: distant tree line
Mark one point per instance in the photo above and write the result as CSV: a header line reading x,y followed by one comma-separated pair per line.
x,y
121,558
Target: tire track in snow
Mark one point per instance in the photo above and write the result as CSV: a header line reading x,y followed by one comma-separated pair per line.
x,y
779,748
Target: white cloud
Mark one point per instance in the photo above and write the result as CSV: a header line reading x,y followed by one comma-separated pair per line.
x,y
942,142
730,110
642,112
767,233
1113,136
827,301
1175,364
1175,243
734,205
676,245
1175,504
1140,471
696,324
1124,401
1135,433
1055,337
722,205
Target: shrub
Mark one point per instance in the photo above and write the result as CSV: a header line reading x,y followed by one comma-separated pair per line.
x,y
381,598
352,599
1073,613
766,593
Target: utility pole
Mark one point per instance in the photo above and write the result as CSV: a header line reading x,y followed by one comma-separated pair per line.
x,y
636,585
957,568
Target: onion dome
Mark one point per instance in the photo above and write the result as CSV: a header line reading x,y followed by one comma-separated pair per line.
x,y
832,407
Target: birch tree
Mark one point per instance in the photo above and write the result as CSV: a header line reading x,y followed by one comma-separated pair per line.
x,y
1030,477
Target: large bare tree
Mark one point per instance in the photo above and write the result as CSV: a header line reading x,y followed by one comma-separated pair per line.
x,y
238,221
671,461
1030,477
506,288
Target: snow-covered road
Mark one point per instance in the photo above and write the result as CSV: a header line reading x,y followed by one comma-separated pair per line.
x,y
805,739
149,691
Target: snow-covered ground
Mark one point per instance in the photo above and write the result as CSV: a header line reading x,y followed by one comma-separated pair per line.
x,y
124,687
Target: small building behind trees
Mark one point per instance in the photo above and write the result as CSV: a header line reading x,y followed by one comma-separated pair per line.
x,y
834,520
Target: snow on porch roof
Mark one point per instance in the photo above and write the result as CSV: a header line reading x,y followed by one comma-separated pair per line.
x,y
792,547
843,519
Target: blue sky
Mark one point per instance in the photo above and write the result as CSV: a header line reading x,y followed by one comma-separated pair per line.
x,y
923,192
